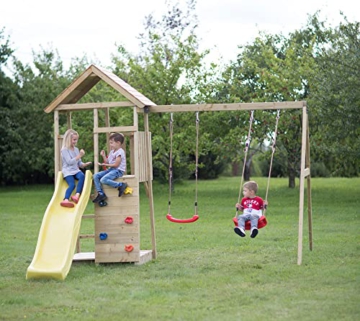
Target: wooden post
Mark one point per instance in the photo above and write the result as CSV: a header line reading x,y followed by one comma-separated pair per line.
x,y
309,200
56,144
302,177
96,141
149,183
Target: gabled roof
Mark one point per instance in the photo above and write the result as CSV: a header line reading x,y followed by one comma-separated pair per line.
x,y
88,79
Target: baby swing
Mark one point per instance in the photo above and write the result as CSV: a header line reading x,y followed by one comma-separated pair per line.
x,y
262,220
195,216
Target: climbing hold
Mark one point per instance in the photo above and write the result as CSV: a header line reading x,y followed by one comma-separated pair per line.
x,y
129,248
103,236
129,220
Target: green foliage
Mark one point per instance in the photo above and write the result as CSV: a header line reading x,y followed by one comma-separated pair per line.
x,y
203,271
317,63
335,99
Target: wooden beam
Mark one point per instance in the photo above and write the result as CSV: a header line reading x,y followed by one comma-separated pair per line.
x,y
90,106
120,129
301,197
225,107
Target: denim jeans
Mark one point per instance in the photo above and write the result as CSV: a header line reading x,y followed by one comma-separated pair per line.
x,y
253,218
80,177
107,177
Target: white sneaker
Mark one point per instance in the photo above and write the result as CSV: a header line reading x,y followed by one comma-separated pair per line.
x,y
239,231
254,232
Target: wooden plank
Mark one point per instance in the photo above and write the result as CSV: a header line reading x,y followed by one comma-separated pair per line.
x,y
145,256
86,216
225,107
128,129
150,189
90,106
115,253
301,198
86,236
56,144
84,256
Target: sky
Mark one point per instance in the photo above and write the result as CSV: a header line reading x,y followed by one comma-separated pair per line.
x,y
78,27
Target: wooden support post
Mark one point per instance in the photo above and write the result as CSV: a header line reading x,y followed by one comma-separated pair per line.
x,y
149,183
56,143
302,177
309,200
96,142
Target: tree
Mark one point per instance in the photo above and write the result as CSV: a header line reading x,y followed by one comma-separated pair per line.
x,y
335,97
170,70
273,68
8,101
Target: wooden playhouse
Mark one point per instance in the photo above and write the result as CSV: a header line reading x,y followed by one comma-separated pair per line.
x,y
117,225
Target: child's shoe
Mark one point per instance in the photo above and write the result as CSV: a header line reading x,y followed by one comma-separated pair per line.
x,y
239,231
66,203
75,199
99,198
122,188
254,232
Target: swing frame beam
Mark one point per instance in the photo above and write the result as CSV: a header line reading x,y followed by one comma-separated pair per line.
x,y
305,148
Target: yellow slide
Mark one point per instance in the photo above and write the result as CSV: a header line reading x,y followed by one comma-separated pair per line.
x,y
58,234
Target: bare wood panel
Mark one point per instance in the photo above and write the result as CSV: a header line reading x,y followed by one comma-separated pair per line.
x,y
225,107
89,106
108,210
114,253
144,157
125,129
114,237
118,220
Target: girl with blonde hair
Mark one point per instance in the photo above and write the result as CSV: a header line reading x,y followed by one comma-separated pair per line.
x,y
71,164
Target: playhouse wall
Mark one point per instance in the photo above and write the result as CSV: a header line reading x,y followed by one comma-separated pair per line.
x,y
110,219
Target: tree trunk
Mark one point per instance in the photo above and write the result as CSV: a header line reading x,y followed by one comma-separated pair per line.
x,y
247,172
292,176
235,168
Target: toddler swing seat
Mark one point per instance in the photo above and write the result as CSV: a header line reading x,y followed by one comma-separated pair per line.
x,y
261,223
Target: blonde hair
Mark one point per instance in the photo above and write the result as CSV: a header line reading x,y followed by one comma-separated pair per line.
x,y
66,144
251,186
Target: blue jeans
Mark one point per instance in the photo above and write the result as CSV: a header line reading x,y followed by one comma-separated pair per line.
x,y
107,177
253,218
80,177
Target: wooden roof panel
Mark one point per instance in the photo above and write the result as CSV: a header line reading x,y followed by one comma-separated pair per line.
x,y
88,79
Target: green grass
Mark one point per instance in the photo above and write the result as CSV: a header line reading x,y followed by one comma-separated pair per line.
x,y
204,271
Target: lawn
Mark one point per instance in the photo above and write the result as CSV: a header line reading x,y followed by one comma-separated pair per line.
x,y
204,271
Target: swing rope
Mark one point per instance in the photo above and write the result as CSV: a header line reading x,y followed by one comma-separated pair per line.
x,y
247,145
195,216
273,147
170,160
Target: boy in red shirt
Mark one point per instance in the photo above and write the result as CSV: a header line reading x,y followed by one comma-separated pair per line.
x,y
251,206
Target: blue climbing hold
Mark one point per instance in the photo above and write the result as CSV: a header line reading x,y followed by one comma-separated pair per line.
x,y
103,236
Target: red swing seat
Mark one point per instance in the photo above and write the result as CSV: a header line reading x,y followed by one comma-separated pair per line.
x,y
188,220
261,223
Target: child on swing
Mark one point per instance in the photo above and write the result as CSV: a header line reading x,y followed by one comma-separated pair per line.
x,y
251,206
116,163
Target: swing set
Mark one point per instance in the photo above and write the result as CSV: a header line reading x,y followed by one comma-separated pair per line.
x,y
304,165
